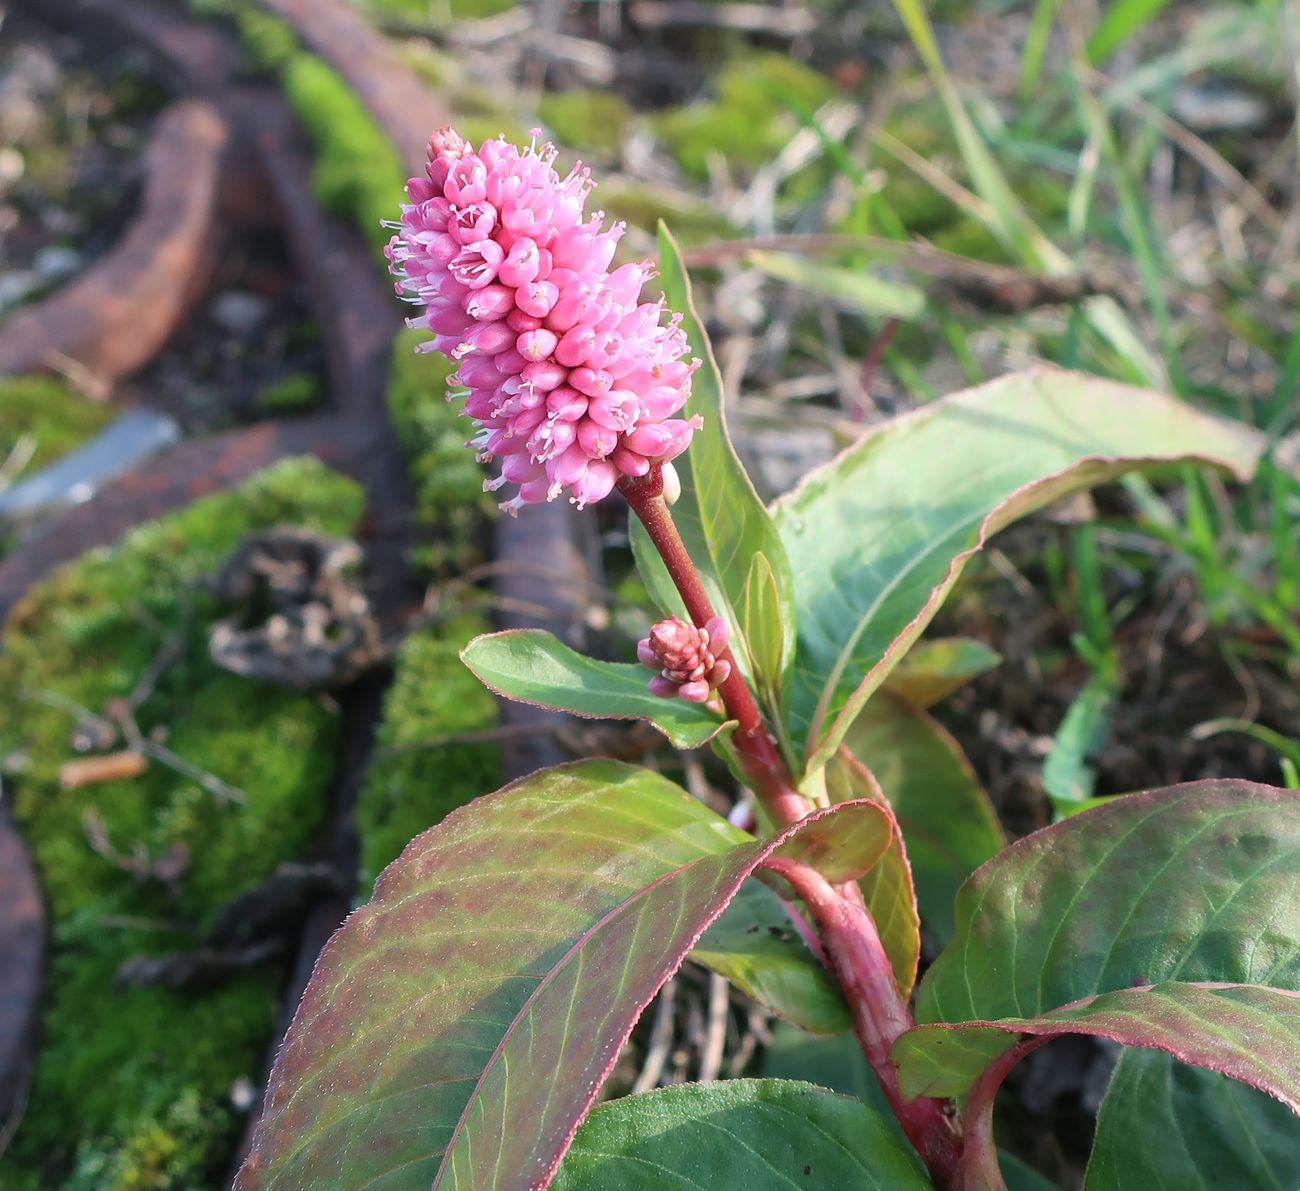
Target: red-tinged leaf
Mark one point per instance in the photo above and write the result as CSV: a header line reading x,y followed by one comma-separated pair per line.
x,y
887,888
1240,1030
948,823
931,670
534,666
457,1027
877,537
1192,883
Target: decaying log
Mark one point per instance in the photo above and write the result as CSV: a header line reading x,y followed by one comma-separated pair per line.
x,y
117,315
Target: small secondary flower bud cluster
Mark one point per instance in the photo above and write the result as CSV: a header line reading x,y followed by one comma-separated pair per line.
x,y
686,658
571,380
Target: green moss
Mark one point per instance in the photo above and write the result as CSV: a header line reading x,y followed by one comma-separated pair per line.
x,y
54,417
595,121
271,41
433,696
749,121
450,505
357,174
131,1087
300,391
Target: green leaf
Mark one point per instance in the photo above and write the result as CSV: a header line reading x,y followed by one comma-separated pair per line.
x,y
534,666
1123,18
721,519
760,609
458,1026
1191,883
759,1133
931,670
877,537
755,945
947,821
1240,1030
836,1063
1020,1177
887,889
851,288
658,582
1214,1132
1069,775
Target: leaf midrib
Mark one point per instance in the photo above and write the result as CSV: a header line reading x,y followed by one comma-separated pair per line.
x,y
552,973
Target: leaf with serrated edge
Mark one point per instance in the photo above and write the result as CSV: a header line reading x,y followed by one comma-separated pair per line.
x,y
534,666
877,536
757,1133
887,889
1199,882
1215,1133
948,823
755,945
720,517
1240,1030
932,670
457,1027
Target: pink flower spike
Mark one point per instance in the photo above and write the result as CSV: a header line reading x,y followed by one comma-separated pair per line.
x,y
572,380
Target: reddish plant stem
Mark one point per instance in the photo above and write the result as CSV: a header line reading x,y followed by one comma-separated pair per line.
x,y
852,943
764,766
880,1014
978,1168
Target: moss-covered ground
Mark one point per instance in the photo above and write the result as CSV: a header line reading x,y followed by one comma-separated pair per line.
x,y
132,1087
51,416
409,789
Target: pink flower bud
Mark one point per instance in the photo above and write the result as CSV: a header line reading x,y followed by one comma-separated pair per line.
x,y
595,439
520,264
545,375
686,657
490,303
536,345
566,404
521,322
590,381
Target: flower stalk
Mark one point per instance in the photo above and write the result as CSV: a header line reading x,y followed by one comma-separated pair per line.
x,y
764,767
852,942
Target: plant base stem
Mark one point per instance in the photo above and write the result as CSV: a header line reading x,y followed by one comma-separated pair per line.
x,y
880,1014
